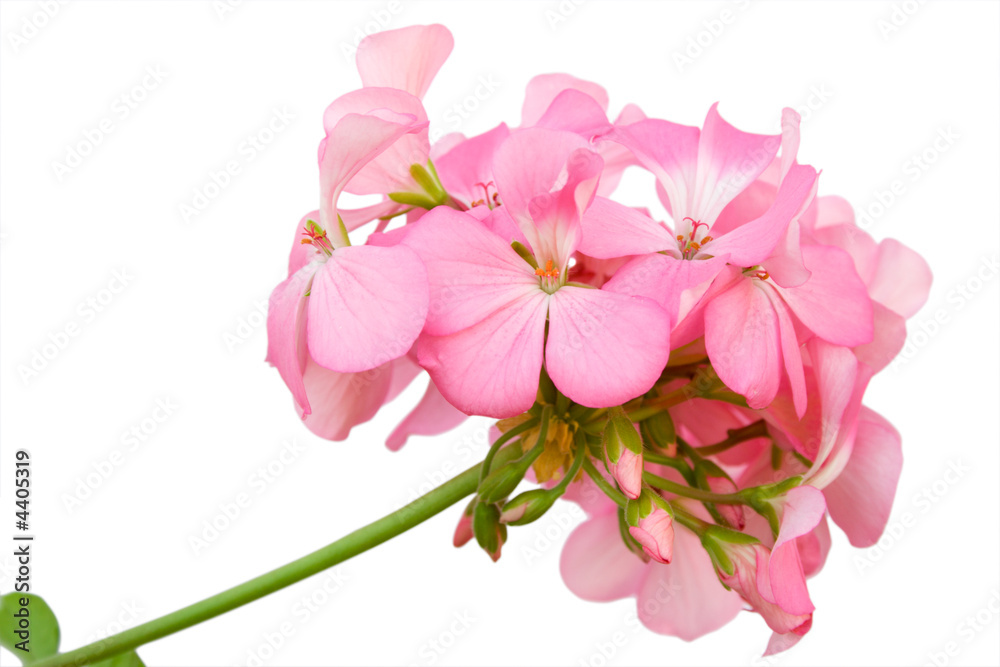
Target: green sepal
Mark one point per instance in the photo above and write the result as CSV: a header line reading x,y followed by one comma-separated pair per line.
x,y
524,253
412,199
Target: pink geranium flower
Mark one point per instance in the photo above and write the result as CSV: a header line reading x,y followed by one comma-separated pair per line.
x,y
485,339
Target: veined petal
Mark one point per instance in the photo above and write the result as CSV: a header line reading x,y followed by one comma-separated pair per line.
x,y
595,563
804,508
575,111
367,306
471,271
613,230
605,348
729,160
743,341
544,88
433,415
834,303
663,278
286,349
491,368
388,169
406,58
341,401
872,473
469,164
353,145
791,352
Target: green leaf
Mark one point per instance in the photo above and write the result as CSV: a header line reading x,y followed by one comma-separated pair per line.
x,y
28,628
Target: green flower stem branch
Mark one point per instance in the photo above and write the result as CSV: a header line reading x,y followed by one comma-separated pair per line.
x,y
351,545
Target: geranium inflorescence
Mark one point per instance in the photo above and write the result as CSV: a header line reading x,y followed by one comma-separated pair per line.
x,y
696,387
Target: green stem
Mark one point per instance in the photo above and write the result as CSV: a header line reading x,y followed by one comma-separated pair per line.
x,y
500,442
351,545
689,492
610,491
758,429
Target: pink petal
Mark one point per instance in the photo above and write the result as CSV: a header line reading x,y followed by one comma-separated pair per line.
x,y
286,349
575,111
491,368
628,473
543,89
471,271
546,180
406,58
902,278
742,340
750,244
804,508
388,168
584,324
358,143
670,152
791,353
663,278
341,401
814,547
685,599
354,218
469,164
367,306
729,160
888,340
613,230
596,565
871,474
833,303
433,415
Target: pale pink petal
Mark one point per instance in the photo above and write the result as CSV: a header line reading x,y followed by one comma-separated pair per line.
x,y
546,180
785,265
803,508
750,244
888,340
837,374
729,160
544,88
595,563
404,370
656,535
670,152
341,401
780,643
663,279
613,230
468,167
491,368
354,218
902,278
359,143
685,599
834,303
814,547
584,325
471,271
871,474
575,111
367,306
791,353
387,169
743,341
286,349
433,415
406,58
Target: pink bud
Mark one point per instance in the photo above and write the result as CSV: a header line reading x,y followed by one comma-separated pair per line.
x,y
628,473
463,531
656,535
731,513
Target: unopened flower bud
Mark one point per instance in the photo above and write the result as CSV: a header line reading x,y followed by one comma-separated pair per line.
x,y
463,531
651,525
528,506
489,532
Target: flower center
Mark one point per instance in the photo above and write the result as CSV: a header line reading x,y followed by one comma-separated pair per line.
x,y
317,238
690,245
490,200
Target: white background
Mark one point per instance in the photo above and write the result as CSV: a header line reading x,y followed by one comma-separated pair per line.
x,y
871,100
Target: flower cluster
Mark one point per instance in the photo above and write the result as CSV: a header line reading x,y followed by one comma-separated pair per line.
x,y
695,385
